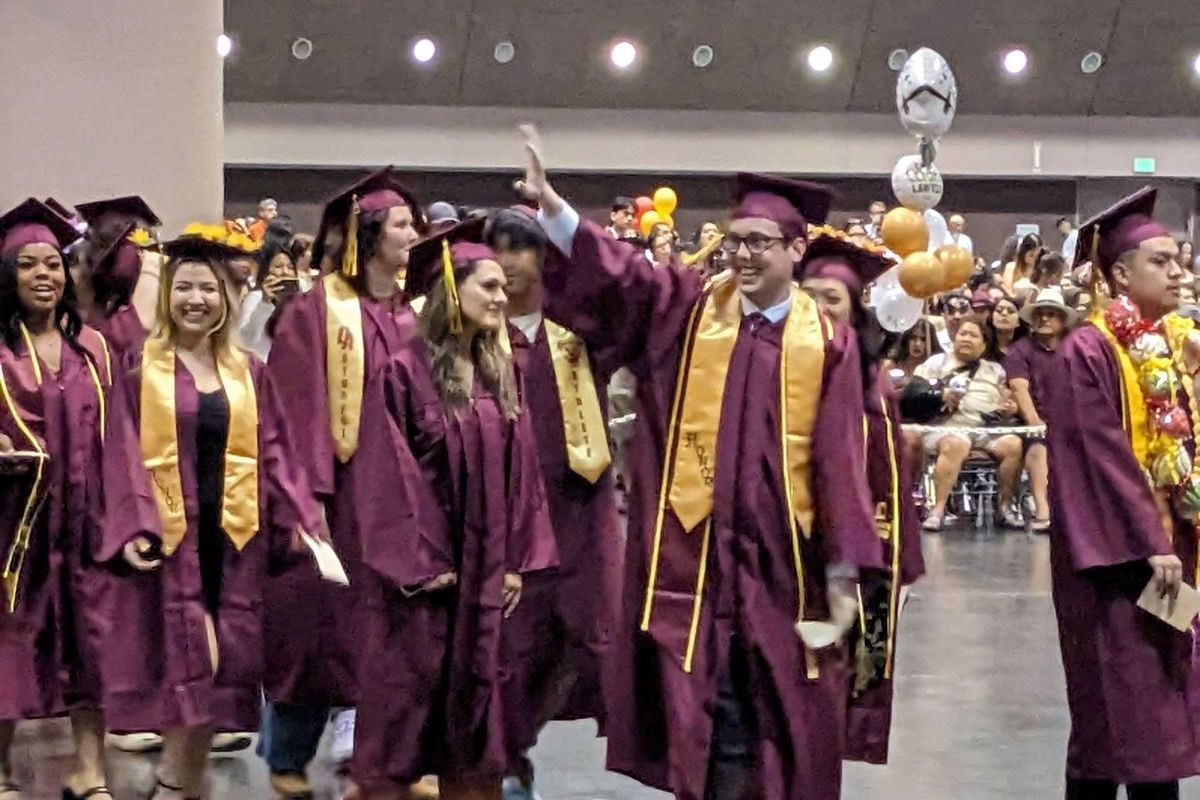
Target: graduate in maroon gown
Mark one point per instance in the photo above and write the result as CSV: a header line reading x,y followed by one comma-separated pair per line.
x,y
749,513
834,272
1124,496
559,635
454,518
118,271
54,381
327,346
202,491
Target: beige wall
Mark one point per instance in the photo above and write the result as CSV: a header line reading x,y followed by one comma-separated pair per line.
x,y
265,134
113,97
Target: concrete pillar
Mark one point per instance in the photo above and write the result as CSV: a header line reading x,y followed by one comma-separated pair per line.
x,y
111,97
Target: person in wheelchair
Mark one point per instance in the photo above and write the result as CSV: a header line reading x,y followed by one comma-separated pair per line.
x,y
975,394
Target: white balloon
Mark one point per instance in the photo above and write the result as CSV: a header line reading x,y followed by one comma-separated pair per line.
x,y
916,187
897,311
926,94
939,234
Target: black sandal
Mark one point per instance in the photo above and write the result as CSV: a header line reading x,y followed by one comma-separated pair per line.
x,y
158,784
95,791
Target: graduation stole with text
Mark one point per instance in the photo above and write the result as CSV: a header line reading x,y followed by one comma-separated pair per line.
x,y
345,363
97,347
691,447
583,422
160,445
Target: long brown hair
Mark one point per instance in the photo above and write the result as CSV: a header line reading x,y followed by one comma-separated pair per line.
x,y
493,362
223,336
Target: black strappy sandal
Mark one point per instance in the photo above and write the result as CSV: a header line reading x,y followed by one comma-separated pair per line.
x,y
95,791
158,784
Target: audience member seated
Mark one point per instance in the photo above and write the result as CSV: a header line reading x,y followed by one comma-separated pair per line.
x,y
914,346
956,307
1007,328
1018,273
974,391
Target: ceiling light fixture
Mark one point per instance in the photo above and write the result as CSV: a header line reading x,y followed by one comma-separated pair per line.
x,y
1091,63
820,58
424,50
623,55
224,46
1196,64
504,52
702,56
302,49
897,59
1015,61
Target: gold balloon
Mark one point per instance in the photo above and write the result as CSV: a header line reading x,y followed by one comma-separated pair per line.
x,y
922,275
649,220
665,201
958,263
904,231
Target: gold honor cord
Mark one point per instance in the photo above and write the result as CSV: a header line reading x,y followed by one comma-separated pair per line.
x,y
583,423
345,364
15,560
894,602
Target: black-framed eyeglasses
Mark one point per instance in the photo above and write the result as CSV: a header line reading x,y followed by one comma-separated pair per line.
x,y
756,243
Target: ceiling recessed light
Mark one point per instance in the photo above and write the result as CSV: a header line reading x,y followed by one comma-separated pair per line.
x,y
504,52
302,49
1091,62
1015,61
1196,64
424,50
623,55
702,56
820,58
224,46
897,58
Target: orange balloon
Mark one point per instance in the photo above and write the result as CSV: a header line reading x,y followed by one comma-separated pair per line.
x,y
922,275
904,231
958,265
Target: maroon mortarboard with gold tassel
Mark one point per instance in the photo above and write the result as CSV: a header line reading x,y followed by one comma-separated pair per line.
x,y
132,207
793,204
833,254
34,222
433,259
377,191
1119,229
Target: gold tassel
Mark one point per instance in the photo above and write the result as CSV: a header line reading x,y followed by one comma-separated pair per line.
x,y
350,254
1096,304
453,309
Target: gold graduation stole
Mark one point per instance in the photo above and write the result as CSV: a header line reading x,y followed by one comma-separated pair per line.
x,y
345,363
160,445
690,463
14,561
583,423
1134,417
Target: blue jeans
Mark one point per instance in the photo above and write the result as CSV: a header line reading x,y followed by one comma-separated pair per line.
x,y
290,735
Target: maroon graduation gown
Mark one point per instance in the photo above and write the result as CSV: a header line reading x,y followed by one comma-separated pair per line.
x,y
560,633
660,717
156,667
869,714
122,329
1132,689
48,645
440,493
312,625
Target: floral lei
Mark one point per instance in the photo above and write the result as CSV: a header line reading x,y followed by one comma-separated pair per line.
x,y
1156,348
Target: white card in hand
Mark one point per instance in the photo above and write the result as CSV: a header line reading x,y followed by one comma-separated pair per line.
x,y
1179,614
328,563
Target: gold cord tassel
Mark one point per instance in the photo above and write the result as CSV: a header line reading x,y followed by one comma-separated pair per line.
x,y
350,254
1096,303
453,309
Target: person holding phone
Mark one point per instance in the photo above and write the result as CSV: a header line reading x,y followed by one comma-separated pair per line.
x,y
202,493
277,282
54,381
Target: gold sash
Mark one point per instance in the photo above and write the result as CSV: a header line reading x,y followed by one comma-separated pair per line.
x,y
1134,417
160,445
583,423
345,363
691,448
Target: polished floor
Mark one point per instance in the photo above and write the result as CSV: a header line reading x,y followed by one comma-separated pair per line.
x,y
980,710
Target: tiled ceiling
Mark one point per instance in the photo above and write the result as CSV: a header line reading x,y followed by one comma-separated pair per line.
x,y
361,53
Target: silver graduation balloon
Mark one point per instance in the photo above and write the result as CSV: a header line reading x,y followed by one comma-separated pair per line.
x,y
926,94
